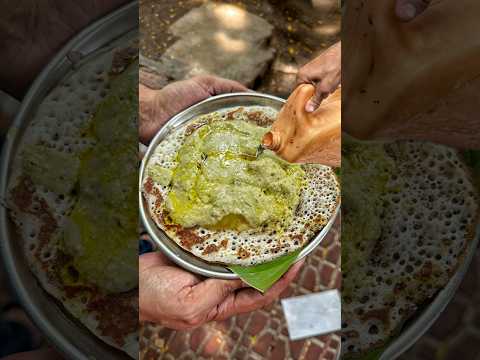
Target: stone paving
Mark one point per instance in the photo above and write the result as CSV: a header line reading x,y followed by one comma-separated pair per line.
x,y
219,39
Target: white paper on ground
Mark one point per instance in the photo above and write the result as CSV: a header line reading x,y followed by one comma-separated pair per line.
x,y
313,314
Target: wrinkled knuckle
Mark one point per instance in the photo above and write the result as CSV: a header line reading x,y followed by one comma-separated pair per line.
x,y
207,83
188,299
206,79
333,82
323,87
193,320
199,77
214,313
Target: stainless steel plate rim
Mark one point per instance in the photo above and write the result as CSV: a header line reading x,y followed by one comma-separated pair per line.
x,y
168,246
32,297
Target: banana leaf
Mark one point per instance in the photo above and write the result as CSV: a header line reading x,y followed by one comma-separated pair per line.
x,y
472,158
263,276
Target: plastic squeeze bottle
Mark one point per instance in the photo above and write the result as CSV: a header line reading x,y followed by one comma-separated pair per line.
x,y
301,137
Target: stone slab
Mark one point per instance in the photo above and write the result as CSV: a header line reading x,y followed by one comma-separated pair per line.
x,y
219,39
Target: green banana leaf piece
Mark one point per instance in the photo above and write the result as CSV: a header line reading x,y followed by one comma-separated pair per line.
x,y
263,276
472,158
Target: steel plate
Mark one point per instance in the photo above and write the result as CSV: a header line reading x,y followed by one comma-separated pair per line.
x,y
162,240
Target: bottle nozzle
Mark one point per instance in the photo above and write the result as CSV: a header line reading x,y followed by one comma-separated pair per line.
x,y
271,140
